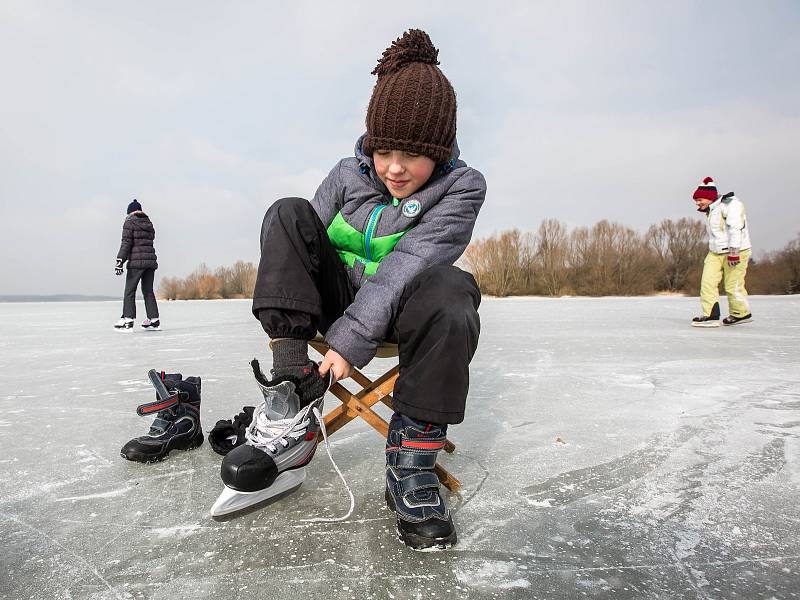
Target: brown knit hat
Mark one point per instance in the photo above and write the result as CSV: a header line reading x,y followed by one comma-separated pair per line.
x,y
413,105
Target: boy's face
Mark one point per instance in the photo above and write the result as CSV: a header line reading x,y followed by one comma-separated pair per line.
x,y
703,203
403,173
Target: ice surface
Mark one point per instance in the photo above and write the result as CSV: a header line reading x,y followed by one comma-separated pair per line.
x,y
609,450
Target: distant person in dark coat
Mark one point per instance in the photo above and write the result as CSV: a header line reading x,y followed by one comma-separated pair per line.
x,y
137,248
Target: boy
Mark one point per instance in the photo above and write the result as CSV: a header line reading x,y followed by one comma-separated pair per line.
x,y
370,259
137,248
729,252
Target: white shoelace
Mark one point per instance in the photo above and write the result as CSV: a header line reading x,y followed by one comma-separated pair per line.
x,y
344,481
267,433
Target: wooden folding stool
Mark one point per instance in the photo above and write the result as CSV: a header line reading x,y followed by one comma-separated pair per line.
x,y
360,403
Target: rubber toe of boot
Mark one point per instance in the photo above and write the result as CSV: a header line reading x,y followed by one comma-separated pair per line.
x,y
430,534
154,451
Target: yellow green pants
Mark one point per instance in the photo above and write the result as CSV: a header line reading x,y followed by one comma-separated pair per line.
x,y
716,268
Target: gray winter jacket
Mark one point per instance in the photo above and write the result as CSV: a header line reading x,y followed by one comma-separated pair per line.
x,y
400,239
137,248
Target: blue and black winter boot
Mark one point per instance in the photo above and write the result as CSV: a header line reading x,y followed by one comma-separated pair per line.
x,y
177,422
412,488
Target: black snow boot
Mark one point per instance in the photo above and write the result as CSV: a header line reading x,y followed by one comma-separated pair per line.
x,y
711,320
177,422
412,488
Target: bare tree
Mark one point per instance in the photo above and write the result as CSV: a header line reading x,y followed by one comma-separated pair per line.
x,y
243,279
791,257
609,259
237,281
679,247
169,288
778,272
551,256
501,263
635,263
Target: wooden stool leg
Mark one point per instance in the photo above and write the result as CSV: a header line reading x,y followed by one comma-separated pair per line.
x,y
446,479
359,405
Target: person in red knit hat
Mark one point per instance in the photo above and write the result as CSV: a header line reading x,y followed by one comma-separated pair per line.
x,y
728,254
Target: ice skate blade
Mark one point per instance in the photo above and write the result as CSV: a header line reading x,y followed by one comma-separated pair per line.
x,y
705,324
232,501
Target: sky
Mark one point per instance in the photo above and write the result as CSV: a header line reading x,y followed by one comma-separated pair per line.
x,y
207,112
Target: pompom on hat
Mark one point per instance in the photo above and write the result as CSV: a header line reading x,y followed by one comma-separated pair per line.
x,y
706,190
413,105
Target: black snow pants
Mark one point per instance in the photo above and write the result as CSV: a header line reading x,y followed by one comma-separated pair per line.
x,y
132,279
302,287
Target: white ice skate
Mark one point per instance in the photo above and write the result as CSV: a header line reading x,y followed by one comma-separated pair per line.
x,y
124,324
280,441
151,325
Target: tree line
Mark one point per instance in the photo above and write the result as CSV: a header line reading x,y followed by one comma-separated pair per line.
x,y
237,281
607,259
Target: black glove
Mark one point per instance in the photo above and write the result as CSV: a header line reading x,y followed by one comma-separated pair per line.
x,y
118,268
227,435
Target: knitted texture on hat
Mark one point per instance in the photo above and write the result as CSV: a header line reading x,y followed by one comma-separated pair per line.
x,y
707,190
134,206
413,105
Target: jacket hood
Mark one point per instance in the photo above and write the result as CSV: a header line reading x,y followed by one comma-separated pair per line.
x,y
140,220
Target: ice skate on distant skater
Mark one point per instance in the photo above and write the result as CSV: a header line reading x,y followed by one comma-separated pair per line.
x,y
279,443
711,320
124,324
733,320
177,423
151,325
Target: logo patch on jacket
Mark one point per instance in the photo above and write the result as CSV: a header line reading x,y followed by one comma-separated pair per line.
x,y
411,208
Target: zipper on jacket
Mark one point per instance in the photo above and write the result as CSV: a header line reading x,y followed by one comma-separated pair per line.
x,y
371,223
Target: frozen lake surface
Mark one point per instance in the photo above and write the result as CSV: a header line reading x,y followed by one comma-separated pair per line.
x,y
609,451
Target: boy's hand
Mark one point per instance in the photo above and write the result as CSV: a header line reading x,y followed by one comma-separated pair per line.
x,y
118,268
733,260
336,364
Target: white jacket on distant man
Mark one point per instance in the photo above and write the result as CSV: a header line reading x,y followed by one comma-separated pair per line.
x,y
726,226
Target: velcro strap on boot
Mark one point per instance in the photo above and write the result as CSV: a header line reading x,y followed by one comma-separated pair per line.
x,y
423,444
417,481
152,407
159,426
400,458
419,453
